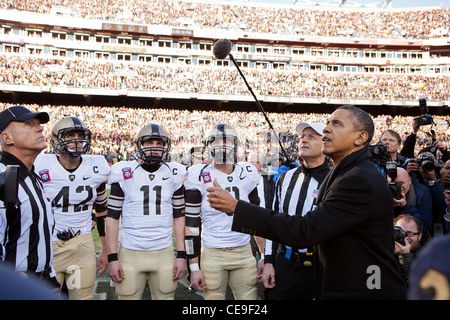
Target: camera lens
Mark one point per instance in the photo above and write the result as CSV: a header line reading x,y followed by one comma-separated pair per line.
x,y
427,166
399,235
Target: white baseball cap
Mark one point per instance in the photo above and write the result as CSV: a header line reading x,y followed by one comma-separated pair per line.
x,y
317,127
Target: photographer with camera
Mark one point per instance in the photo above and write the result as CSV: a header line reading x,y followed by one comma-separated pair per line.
x,y
26,227
407,236
423,120
393,142
423,170
415,200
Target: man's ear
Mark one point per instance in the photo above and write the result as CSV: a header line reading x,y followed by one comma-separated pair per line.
x,y
6,137
361,139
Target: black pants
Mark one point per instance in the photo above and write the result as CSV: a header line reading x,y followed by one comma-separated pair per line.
x,y
293,280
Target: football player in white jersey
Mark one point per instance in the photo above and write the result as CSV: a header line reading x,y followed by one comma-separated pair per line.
x,y
76,184
226,256
149,197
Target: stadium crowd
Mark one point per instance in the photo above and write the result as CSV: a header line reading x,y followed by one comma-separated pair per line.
x,y
22,70
410,23
114,128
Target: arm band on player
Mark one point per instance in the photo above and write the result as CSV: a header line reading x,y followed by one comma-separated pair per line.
x,y
115,201
181,254
253,197
113,257
101,226
193,208
100,203
192,245
178,203
194,267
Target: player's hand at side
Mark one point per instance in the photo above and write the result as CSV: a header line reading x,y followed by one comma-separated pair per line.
x,y
115,271
221,199
102,262
198,280
179,269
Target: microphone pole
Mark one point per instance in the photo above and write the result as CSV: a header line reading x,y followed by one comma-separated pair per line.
x,y
221,49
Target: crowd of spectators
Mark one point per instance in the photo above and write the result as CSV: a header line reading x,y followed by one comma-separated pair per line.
x,y
95,74
408,23
114,128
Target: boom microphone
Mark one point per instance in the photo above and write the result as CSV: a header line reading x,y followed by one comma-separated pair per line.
x,y
221,50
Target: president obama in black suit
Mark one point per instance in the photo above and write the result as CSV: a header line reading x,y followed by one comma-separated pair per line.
x,y
352,225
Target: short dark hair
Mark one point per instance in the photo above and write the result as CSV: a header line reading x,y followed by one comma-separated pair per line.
x,y
362,121
394,133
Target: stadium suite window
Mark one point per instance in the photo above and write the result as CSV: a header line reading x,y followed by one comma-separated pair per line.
x,y
163,60
205,46
315,67
34,50
222,63
145,42
334,53
370,54
185,45
297,66
11,48
298,51
7,29
164,44
145,58
240,47
58,35
82,37
204,61
262,65
262,49
124,57
184,61
126,41
333,68
34,33
279,50
102,55
102,39
81,54
59,53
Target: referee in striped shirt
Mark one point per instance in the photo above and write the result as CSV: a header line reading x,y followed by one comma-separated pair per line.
x,y
25,229
288,272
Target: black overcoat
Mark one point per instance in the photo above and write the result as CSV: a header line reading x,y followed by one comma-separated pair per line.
x,y
352,229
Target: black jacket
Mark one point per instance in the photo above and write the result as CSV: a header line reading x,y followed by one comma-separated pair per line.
x,y
352,227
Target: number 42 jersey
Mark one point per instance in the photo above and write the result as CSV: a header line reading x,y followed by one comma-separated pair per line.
x,y
72,193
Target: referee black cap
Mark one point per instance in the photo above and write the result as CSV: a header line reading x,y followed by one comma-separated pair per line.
x,y
19,114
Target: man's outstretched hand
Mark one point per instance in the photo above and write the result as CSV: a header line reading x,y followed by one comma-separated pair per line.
x,y
221,199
